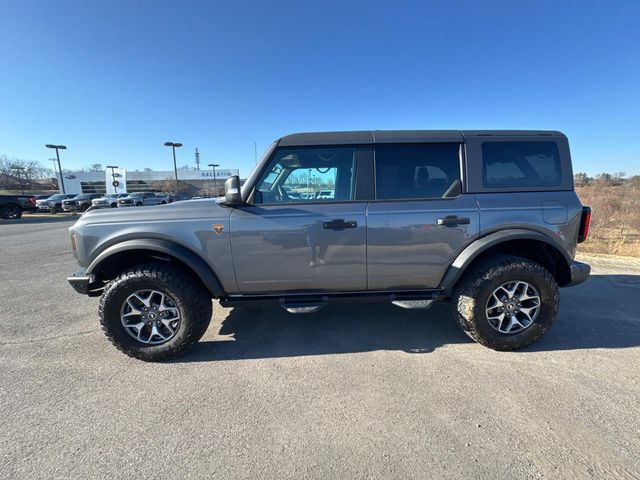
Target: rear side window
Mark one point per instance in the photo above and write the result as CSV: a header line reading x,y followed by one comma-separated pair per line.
x,y
416,171
520,164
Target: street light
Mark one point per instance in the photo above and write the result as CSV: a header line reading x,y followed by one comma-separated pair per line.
x,y
20,170
173,146
58,147
113,177
215,187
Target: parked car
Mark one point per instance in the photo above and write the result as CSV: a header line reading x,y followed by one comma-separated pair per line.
x,y
139,199
12,206
79,203
42,203
109,200
325,195
55,201
487,220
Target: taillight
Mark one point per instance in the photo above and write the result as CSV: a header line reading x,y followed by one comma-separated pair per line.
x,y
585,221
32,200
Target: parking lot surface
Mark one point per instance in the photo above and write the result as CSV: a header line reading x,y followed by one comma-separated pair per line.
x,y
354,391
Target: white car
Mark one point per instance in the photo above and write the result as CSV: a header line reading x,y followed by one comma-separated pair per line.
x,y
326,195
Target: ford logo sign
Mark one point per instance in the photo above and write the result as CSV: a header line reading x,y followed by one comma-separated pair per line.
x,y
70,177
117,175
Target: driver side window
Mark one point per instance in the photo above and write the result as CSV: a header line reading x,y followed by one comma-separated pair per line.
x,y
301,175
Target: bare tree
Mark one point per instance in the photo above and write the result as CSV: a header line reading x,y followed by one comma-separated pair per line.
x,y
169,185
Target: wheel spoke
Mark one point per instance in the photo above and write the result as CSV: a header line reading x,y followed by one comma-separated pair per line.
x,y
527,311
155,331
167,323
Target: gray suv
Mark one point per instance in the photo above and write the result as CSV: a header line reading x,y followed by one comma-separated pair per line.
x,y
487,220
140,199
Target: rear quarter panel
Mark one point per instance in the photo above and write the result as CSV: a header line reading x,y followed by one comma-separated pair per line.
x,y
555,214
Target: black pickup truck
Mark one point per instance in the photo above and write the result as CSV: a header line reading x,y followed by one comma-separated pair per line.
x,y
12,206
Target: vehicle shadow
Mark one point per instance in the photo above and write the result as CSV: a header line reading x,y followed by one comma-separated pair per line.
x,y
28,219
269,331
597,314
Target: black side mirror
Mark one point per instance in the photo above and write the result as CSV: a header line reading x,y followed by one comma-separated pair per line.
x,y
232,194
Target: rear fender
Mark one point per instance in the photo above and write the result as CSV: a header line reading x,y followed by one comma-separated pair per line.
x,y
473,251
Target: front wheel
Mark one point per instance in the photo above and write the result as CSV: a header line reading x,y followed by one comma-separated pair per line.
x,y
154,312
11,211
506,302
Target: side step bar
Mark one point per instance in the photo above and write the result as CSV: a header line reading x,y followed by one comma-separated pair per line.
x,y
306,303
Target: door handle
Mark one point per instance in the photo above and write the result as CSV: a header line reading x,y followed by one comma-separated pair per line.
x,y
339,224
453,220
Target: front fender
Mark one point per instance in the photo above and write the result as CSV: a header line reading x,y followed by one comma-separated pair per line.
x,y
183,254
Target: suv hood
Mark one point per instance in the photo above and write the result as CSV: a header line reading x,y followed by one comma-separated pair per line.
x,y
206,208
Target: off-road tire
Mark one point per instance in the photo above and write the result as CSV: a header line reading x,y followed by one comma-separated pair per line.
x,y
10,211
472,291
191,297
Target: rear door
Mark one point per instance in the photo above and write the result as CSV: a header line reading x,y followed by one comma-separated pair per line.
x,y
420,219
287,239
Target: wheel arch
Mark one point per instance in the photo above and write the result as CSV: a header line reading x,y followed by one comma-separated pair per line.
x,y
113,260
529,244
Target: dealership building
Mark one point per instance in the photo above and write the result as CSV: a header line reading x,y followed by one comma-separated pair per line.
x,y
120,180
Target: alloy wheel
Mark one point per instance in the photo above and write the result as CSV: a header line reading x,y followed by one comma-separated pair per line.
x,y
513,307
150,316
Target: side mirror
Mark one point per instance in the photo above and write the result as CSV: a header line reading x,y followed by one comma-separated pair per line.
x,y
232,194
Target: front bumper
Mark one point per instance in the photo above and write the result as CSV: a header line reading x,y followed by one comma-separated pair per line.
x,y
579,273
85,284
70,208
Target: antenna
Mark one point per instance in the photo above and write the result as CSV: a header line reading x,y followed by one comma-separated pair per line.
x,y
197,159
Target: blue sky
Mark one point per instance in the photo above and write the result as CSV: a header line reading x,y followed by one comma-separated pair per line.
x,y
113,80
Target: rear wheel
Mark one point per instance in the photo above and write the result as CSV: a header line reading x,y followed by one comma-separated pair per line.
x,y
506,303
139,204
155,311
10,211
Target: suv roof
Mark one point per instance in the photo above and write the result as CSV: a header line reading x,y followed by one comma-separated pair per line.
x,y
401,136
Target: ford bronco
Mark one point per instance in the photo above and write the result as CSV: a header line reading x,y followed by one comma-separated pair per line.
x,y
488,220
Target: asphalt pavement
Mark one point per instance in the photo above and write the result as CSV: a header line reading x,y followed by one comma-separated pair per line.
x,y
354,391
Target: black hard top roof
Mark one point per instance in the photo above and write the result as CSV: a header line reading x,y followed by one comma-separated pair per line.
x,y
401,136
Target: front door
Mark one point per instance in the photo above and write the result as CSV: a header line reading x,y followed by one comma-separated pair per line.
x,y
420,220
302,229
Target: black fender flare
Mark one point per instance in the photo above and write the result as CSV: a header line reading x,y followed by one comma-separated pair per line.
x,y
471,252
185,255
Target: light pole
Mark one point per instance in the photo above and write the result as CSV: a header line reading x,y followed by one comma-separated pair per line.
x,y
215,187
19,170
173,146
113,177
58,147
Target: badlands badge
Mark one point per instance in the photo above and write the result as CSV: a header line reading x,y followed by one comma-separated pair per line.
x,y
217,227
